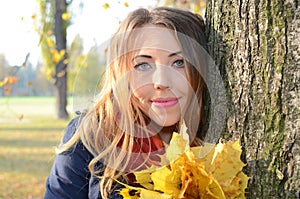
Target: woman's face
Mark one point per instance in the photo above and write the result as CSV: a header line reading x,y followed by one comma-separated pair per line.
x,y
157,75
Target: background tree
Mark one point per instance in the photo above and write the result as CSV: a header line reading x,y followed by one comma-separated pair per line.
x,y
55,18
256,46
60,78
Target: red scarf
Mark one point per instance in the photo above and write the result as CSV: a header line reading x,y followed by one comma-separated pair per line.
x,y
145,153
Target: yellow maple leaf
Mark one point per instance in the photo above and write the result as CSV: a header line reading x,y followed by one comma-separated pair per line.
x,y
224,164
166,181
144,178
178,145
200,184
130,192
209,171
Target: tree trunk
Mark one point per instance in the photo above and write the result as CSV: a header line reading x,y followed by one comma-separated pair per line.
x,y
61,67
256,45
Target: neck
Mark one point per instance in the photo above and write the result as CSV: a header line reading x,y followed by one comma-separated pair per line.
x,y
165,132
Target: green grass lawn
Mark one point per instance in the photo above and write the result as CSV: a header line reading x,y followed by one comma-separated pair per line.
x,y
29,134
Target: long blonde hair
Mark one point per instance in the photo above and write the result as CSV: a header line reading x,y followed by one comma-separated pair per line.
x,y
104,126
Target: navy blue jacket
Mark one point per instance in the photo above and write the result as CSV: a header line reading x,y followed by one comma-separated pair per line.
x,y
70,177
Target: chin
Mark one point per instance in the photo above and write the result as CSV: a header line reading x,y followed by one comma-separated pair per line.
x,y
165,120
166,123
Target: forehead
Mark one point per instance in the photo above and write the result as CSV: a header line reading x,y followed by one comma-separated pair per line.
x,y
153,37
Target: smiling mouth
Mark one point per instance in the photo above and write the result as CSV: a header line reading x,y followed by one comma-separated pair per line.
x,y
164,102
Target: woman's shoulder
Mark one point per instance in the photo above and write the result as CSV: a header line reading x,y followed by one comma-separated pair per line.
x,y
73,126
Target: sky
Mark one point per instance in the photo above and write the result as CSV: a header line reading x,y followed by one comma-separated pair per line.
x,y
93,23
17,36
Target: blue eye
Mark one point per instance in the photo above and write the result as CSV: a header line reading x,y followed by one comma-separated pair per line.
x,y
178,63
142,66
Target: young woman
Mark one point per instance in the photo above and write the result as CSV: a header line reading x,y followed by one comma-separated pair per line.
x,y
153,86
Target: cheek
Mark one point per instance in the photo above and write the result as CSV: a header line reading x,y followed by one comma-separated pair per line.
x,y
186,90
142,93
182,84
137,94
139,83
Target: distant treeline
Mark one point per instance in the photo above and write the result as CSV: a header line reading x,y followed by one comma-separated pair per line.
x,y
29,80
24,80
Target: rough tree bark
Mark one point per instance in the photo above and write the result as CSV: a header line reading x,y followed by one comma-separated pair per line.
x,y
60,82
256,45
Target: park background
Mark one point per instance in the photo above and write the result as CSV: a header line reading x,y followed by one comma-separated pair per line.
x,y
255,45
29,127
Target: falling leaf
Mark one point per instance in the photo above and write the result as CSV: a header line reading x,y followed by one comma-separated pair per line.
x,y
7,90
126,4
66,16
29,83
20,117
105,6
33,16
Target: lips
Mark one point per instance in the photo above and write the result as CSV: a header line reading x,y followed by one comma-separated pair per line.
x,y
164,102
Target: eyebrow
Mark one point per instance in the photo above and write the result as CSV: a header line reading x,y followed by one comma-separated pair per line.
x,y
144,56
149,56
175,53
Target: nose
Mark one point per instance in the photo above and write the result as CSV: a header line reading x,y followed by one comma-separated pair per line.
x,y
161,77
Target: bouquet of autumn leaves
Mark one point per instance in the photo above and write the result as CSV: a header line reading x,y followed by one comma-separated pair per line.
x,y
209,171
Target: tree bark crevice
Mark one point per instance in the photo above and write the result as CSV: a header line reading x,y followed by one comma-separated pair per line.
x,y
60,33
